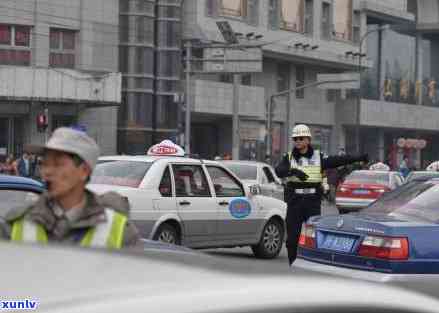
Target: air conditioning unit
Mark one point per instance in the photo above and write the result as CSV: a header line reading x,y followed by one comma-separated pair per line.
x,y
217,52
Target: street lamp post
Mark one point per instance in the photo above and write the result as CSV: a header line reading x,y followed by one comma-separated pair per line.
x,y
360,70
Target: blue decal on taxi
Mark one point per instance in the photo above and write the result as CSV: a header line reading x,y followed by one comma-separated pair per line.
x,y
240,208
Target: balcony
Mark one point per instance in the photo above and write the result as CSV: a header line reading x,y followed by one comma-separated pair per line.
x,y
390,115
59,85
217,98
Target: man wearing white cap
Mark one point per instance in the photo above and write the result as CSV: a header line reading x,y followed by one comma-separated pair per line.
x,y
303,171
68,212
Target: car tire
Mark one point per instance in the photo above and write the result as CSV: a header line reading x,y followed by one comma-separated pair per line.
x,y
168,234
271,241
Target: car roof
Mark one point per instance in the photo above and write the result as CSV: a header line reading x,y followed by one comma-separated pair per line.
x,y
378,172
244,162
147,158
18,182
101,281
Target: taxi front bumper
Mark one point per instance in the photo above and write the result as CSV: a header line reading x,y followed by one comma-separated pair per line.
x,y
425,283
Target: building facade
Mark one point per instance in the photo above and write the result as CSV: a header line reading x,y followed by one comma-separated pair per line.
x,y
150,60
301,38
58,57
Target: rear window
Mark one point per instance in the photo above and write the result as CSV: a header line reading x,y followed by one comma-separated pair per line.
x,y
368,178
243,171
120,173
414,175
415,200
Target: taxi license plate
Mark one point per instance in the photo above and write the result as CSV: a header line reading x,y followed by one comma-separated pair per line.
x,y
338,243
361,192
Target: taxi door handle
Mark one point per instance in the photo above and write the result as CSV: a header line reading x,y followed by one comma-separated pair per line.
x,y
223,203
184,203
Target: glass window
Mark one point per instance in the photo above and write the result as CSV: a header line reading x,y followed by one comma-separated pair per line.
x,y
169,12
15,57
292,14
273,14
5,35
120,173
55,39
326,21
237,8
283,77
123,59
167,112
300,81
246,79
309,14
15,199
415,201
168,63
144,29
190,181
243,171
123,28
22,36
211,8
269,175
253,12
343,19
225,185
169,34
68,40
124,5
143,64
368,177
165,187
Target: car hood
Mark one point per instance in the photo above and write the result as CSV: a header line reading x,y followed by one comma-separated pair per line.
x,y
83,280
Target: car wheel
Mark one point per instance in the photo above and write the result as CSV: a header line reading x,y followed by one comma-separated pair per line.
x,y
271,241
167,234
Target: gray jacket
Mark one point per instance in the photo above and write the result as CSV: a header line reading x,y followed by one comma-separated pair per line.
x,y
63,229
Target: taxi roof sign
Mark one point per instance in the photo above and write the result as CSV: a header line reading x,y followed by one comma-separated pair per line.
x,y
379,167
166,148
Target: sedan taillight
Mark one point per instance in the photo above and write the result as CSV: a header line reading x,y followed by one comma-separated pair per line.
x,y
307,236
389,248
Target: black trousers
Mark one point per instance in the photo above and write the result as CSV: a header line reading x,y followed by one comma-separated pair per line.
x,y
300,208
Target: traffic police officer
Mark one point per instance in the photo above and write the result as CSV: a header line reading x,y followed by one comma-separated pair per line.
x,y
68,212
302,170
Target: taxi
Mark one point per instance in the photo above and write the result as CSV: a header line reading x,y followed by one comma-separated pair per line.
x,y
192,202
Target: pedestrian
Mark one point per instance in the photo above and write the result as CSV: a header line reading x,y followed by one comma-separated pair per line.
x,y
404,167
24,165
9,167
68,212
302,169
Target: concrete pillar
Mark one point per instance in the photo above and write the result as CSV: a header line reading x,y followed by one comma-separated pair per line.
x,y
419,62
381,145
317,13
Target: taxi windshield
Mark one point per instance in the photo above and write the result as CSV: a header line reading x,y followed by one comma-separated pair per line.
x,y
120,173
415,201
243,171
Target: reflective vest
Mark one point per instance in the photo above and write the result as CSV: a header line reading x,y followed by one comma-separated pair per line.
x,y
104,235
311,167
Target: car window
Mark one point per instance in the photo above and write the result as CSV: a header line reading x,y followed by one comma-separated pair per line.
x,y
16,198
225,185
414,200
190,181
243,171
368,177
120,173
165,187
268,174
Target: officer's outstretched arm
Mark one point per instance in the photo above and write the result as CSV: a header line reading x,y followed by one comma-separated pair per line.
x,y
336,161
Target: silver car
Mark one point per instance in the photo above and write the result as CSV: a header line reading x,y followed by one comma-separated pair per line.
x,y
168,281
260,174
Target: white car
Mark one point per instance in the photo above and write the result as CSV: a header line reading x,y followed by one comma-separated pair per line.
x,y
196,203
260,174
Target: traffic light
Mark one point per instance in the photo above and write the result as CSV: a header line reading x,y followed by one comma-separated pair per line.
x,y
42,122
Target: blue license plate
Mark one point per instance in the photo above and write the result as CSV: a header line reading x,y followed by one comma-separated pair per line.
x,y
361,192
337,243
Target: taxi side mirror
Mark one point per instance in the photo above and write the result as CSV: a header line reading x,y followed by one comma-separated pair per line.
x,y
255,190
